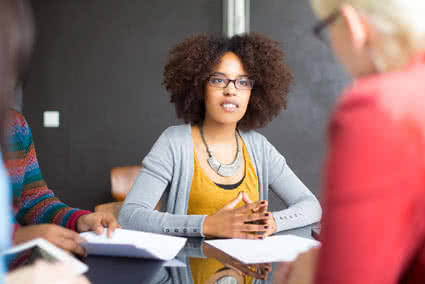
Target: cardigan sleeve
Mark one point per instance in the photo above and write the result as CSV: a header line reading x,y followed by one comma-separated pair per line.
x,y
137,212
373,195
34,202
303,207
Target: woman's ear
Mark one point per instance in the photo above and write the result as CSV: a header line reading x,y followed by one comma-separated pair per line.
x,y
357,27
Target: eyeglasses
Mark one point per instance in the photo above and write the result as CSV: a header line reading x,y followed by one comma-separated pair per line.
x,y
222,83
318,29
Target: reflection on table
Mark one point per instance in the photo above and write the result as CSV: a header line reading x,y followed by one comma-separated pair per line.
x,y
204,264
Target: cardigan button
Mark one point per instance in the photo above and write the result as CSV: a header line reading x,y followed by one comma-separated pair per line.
x,y
176,230
167,230
184,230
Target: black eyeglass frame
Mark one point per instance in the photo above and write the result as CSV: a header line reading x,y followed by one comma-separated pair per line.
x,y
322,24
227,81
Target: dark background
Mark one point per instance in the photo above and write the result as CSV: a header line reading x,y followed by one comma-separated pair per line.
x,y
100,62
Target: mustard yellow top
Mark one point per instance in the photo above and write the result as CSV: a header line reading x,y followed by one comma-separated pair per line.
x,y
206,198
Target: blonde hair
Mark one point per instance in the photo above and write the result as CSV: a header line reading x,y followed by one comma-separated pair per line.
x,y
400,22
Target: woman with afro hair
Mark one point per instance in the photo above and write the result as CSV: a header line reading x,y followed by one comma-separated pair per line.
x,y
216,170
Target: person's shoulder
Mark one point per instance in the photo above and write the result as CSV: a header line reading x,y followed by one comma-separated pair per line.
x,y
366,107
15,118
384,91
361,92
256,141
176,130
17,126
261,147
253,136
363,96
175,133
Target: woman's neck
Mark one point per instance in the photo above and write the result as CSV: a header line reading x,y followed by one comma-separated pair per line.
x,y
218,133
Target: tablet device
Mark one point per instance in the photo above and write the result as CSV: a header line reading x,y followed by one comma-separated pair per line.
x,y
40,249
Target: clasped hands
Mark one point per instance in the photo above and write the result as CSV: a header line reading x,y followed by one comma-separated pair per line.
x,y
251,221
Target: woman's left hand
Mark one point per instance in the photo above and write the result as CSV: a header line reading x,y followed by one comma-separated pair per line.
x,y
270,222
96,222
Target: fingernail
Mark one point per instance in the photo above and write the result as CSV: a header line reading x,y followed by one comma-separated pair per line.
x,y
262,202
266,227
261,237
267,214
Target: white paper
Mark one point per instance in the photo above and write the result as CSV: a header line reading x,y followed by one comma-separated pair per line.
x,y
271,249
130,243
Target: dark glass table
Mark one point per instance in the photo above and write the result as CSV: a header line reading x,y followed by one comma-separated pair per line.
x,y
203,264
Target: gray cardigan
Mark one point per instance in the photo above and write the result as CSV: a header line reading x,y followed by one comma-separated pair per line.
x,y
169,168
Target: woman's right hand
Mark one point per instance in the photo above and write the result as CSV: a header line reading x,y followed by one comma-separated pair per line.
x,y
231,222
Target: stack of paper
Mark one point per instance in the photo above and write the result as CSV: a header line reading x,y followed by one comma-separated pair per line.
x,y
133,244
271,249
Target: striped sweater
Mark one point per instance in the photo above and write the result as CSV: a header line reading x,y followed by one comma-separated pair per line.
x,y
33,201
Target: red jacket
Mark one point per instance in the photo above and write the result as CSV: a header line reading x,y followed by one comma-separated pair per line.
x,y
373,227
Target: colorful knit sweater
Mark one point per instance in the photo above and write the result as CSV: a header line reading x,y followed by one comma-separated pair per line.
x,y
33,202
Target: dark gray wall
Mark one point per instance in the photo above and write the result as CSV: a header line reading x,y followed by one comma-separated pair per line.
x,y
100,62
299,132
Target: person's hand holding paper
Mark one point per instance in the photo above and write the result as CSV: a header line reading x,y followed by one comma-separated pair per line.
x,y
130,243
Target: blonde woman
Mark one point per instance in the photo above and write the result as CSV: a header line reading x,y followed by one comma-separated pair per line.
x,y
373,227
